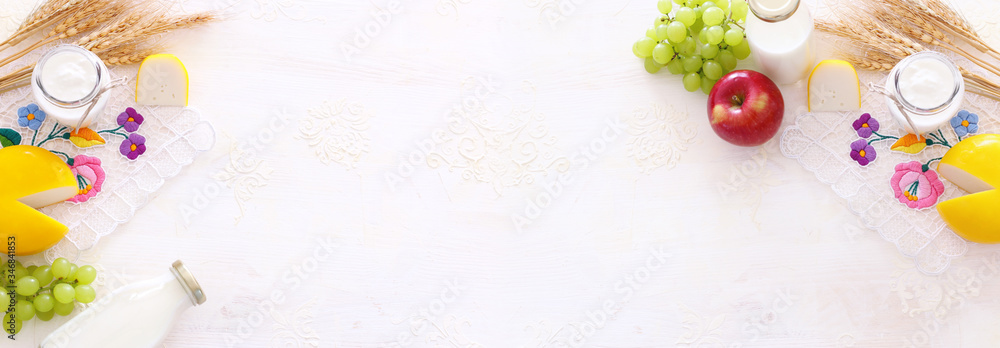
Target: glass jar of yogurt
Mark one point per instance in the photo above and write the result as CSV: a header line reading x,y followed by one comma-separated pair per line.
x,y
929,88
780,34
68,84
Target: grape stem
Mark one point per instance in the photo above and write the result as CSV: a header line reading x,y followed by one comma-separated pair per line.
x,y
49,288
731,21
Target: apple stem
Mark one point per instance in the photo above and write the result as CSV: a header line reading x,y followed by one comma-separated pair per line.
x,y
737,100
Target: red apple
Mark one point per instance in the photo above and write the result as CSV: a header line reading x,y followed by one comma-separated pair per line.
x,y
745,108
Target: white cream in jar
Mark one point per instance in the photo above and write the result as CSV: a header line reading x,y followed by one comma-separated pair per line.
x,y
69,76
930,89
926,83
67,81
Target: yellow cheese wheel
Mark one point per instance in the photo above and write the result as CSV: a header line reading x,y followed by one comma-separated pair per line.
x,y
32,178
972,165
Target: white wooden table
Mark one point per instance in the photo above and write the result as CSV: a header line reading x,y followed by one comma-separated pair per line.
x,y
460,173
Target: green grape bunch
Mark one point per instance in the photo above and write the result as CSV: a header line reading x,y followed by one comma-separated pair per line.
x,y
699,39
44,291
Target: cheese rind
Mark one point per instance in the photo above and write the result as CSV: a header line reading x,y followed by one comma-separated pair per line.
x,y
162,80
971,165
31,178
834,86
973,216
974,161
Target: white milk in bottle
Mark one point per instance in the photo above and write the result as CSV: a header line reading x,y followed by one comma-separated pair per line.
x,y
138,315
780,35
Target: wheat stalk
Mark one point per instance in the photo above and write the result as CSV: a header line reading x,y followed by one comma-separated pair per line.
x,y
882,31
128,54
127,37
90,14
872,60
883,55
883,34
950,20
16,78
120,26
120,31
918,26
152,27
937,10
866,41
48,13
93,14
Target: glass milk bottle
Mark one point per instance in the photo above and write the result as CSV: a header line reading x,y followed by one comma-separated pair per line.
x,y
780,33
135,316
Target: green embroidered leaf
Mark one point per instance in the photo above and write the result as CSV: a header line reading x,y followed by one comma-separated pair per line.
x,y
9,137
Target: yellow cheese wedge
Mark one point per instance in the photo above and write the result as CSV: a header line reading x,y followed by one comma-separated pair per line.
x,y
32,178
162,80
974,217
972,165
834,86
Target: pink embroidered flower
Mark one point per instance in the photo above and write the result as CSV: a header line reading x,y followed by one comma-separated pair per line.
x,y
916,186
89,177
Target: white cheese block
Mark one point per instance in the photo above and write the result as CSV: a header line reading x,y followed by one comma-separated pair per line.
x,y
162,80
834,86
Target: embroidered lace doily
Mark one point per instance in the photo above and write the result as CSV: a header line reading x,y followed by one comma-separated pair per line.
x,y
174,137
821,143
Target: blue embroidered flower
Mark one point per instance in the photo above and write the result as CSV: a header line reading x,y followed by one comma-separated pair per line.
x,y
965,123
30,116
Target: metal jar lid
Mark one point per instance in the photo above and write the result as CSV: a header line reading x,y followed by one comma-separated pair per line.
x,y
190,284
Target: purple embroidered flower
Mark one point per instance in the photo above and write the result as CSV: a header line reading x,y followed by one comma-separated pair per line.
x,y
133,146
965,123
865,125
862,152
30,116
130,120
